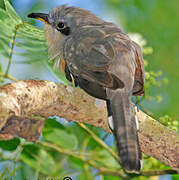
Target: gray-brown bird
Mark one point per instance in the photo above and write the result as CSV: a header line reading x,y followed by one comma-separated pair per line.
x,y
101,59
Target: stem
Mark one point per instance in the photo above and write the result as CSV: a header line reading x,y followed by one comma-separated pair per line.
x,y
8,77
157,172
4,171
90,162
98,140
12,49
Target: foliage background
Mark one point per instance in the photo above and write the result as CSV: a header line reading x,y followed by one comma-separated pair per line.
x,y
155,20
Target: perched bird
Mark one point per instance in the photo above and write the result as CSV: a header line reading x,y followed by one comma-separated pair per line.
x,y
102,60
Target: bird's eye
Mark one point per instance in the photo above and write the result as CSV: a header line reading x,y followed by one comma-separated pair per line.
x,y
63,28
60,25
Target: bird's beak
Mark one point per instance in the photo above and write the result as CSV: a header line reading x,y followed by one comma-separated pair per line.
x,y
40,16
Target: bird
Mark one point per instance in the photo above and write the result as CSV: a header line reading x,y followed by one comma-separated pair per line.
x,y
101,59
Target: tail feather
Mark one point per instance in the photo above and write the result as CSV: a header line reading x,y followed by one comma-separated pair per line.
x,y
125,130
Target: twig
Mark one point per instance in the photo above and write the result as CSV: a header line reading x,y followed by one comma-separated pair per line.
x,y
90,162
8,77
113,172
98,140
157,172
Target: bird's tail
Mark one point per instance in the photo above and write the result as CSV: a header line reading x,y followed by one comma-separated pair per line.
x,y
125,130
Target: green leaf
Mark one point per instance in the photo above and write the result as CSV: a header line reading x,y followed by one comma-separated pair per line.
x,y
58,134
175,177
25,172
39,159
62,139
52,123
10,145
57,73
11,12
85,176
104,157
31,33
111,178
31,47
79,132
29,38
0,67
5,48
76,163
92,143
7,31
3,14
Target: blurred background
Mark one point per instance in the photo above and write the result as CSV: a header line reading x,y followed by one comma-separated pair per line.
x,y
155,20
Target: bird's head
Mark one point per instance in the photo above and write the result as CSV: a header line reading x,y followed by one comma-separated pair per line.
x,y
66,20
62,22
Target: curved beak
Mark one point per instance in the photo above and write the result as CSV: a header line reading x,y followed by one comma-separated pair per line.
x,y
40,16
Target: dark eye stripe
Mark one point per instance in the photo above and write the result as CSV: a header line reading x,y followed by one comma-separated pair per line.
x,y
65,31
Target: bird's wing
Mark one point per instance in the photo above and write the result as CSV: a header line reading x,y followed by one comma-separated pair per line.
x,y
89,54
138,88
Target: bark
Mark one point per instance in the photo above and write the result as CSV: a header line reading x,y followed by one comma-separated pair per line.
x,y
25,105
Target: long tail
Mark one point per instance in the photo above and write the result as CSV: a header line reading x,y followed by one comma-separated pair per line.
x,y
125,130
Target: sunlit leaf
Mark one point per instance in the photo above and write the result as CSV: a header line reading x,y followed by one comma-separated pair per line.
x,y
11,12
76,163
104,157
3,14
59,135
111,178
79,132
84,175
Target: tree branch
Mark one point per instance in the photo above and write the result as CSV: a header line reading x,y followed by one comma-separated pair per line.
x,y
25,105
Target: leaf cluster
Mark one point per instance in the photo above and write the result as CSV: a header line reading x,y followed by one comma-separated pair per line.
x,y
22,39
